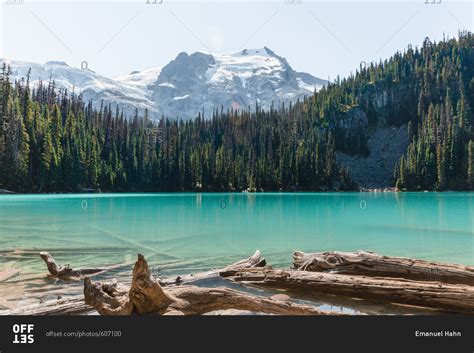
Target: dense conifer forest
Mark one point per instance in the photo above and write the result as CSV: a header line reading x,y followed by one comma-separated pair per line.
x,y
51,141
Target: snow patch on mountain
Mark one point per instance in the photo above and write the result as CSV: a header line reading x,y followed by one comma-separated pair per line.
x,y
142,79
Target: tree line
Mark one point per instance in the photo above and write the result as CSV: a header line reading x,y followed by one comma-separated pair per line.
x,y
51,141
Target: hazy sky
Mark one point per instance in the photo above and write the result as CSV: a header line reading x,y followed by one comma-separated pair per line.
x,y
321,38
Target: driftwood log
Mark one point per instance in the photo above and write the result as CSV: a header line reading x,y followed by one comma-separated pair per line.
x,y
73,305
67,272
146,296
450,297
367,263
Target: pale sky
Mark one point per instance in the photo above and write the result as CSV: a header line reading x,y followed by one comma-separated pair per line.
x,y
322,38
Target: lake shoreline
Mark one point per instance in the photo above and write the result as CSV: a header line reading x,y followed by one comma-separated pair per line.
x,y
362,190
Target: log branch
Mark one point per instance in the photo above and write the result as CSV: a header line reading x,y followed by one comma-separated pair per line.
x,y
67,272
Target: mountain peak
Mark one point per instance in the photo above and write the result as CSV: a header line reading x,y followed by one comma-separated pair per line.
x,y
202,82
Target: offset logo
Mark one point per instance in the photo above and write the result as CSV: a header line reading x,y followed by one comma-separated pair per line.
x,y
23,333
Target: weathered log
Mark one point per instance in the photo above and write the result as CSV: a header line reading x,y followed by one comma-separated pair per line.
x,y
65,306
256,260
450,297
67,272
146,296
367,263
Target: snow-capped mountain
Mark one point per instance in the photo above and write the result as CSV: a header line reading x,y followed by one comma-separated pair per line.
x,y
93,86
203,82
187,85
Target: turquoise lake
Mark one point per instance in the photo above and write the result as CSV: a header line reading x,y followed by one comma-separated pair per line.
x,y
114,227
184,233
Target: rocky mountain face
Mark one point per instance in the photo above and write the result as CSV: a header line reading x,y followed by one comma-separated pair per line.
x,y
354,118
375,171
202,82
386,142
188,85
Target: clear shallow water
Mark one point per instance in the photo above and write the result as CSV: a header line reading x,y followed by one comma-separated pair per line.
x,y
187,233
